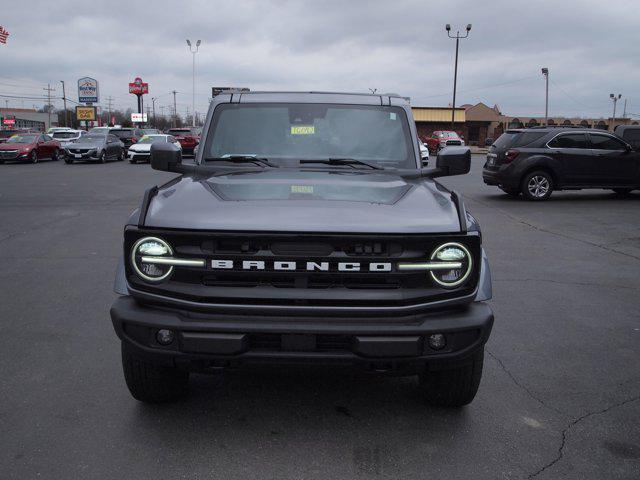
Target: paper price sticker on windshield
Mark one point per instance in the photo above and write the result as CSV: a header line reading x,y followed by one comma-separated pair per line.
x,y
303,129
301,188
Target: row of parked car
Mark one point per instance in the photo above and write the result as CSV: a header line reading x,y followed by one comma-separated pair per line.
x,y
100,144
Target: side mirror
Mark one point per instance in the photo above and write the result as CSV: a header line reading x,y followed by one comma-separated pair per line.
x,y
451,161
165,157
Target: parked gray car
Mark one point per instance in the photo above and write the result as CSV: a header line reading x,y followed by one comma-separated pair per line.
x,y
95,147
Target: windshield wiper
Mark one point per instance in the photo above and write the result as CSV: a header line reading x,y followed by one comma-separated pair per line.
x,y
352,162
242,159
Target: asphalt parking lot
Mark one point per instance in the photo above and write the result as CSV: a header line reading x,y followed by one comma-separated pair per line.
x,y
560,396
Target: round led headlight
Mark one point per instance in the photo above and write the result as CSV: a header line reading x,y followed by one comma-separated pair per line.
x,y
144,252
461,264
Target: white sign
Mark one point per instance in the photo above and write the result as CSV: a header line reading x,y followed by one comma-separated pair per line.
x,y
138,117
88,90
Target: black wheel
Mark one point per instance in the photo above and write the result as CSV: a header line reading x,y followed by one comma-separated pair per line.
x,y
511,191
121,156
102,158
151,383
132,160
56,156
68,160
455,385
34,156
537,185
1,162
623,191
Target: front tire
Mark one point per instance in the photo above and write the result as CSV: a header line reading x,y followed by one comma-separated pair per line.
x,y
150,383
56,156
102,158
34,156
455,385
537,185
121,156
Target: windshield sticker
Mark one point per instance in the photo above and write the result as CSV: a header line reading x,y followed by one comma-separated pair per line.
x,y
301,188
392,116
303,130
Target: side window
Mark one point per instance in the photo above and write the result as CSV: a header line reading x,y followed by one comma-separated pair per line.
x,y
171,139
112,138
605,142
569,140
47,138
42,138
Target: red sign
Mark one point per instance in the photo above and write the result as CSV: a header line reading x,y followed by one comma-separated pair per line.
x,y
138,87
9,121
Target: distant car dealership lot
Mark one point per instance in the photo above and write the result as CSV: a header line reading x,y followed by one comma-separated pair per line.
x,y
560,389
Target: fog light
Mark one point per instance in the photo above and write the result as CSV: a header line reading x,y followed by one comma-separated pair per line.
x,y
164,337
437,341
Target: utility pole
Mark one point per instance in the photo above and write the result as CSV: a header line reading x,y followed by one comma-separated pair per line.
x,y
457,36
109,102
153,103
175,112
545,72
624,110
193,123
64,100
615,101
49,90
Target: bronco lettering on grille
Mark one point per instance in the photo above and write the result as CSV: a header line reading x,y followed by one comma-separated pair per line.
x,y
289,265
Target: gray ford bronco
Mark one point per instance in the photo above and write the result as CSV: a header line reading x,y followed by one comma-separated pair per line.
x,y
307,231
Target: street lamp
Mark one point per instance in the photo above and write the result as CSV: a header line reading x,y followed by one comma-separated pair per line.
x,y
615,100
457,36
545,72
193,115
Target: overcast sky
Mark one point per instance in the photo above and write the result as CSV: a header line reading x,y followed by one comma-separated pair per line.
x,y
590,47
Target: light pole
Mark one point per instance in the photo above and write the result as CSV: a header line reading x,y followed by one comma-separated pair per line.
x,y
615,100
545,72
193,116
457,36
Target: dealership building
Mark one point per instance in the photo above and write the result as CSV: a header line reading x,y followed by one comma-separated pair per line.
x,y
27,118
476,123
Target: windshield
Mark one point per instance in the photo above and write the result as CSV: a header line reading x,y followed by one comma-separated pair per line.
x,y
91,138
99,130
150,131
179,131
64,134
373,134
122,133
448,135
152,139
22,139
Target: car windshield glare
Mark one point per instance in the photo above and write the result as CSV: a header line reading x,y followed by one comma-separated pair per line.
x,y
64,135
22,139
152,139
296,131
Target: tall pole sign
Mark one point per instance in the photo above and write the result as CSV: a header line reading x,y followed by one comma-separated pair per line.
x,y
88,93
139,88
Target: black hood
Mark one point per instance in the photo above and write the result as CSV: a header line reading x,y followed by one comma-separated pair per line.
x,y
290,200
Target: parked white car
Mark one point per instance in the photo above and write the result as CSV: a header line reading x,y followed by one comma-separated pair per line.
x,y
141,150
67,137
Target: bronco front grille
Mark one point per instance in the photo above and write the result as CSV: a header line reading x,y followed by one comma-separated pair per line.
x,y
299,287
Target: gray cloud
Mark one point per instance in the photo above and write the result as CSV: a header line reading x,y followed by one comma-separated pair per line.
x,y
590,48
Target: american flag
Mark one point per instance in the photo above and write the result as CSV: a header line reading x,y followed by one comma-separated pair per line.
x,y
3,35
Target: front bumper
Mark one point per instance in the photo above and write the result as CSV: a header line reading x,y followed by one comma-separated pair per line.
x,y
205,341
81,155
139,156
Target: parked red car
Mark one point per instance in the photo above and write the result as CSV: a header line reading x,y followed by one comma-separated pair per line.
x,y
29,147
188,138
442,138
